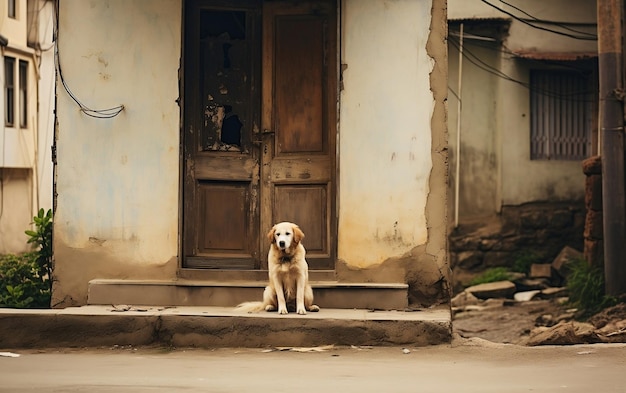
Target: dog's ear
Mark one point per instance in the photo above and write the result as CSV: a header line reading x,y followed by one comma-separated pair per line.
x,y
298,235
270,235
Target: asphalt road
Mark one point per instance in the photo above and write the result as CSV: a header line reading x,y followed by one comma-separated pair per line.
x,y
466,367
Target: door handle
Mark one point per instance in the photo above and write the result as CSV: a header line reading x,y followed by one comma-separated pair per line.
x,y
259,136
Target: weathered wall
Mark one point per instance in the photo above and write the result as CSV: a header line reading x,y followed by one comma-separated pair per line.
x,y
385,134
392,142
117,179
479,149
495,120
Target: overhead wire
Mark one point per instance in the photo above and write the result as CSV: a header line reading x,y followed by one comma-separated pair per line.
x,y
554,23
96,113
478,62
526,22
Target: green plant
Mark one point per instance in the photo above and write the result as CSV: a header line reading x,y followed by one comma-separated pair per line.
x,y
492,275
41,237
21,284
523,261
585,284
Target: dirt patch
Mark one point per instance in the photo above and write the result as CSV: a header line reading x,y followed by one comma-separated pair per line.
x,y
506,321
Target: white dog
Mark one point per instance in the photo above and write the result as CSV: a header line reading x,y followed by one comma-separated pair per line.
x,y
288,274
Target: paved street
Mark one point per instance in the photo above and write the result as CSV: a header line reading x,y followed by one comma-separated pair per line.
x,y
466,367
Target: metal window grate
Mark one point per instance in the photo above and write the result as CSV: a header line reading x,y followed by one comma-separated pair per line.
x,y
560,107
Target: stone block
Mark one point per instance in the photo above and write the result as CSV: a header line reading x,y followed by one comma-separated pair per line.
x,y
539,270
469,259
498,289
567,254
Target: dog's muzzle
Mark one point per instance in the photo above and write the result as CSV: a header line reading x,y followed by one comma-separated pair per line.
x,y
281,244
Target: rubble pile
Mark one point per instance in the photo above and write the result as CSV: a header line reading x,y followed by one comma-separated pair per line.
x,y
538,296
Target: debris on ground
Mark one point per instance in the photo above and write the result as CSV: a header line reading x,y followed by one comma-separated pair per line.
x,y
532,311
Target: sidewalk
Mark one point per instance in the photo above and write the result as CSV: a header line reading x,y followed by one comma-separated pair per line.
x,y
97,326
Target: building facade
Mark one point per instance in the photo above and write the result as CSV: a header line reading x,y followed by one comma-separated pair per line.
x,y
186,129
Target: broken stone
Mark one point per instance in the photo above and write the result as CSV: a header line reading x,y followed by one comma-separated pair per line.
x,y
526,295
543,270
551,293
464,299
498,289
613,332
567,254
564,333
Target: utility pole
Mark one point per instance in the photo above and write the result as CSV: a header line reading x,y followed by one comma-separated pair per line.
x,y
611,73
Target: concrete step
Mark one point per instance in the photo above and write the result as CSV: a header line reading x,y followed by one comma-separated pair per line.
x,y
102,326
229,293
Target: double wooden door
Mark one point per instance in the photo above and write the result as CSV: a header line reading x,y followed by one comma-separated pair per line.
x,y
259,129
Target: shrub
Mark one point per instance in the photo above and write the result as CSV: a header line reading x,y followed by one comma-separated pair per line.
x,y
41,237
26,279
492,275
585,284
22,286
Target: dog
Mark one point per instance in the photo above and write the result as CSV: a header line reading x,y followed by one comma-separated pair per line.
x,y
289,287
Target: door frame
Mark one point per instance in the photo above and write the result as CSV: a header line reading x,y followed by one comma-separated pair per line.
x,y
332,109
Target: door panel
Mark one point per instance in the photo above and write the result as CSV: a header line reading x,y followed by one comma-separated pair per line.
x,y
299,74
297,202
299,116
221,123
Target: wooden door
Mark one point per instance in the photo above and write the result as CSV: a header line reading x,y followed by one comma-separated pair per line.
x,y
299,121
259,129
221,126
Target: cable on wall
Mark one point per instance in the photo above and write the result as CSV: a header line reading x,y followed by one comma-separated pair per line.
x,y
584,36
97,113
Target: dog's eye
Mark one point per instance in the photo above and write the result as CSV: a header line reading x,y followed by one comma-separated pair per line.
x,y
287,233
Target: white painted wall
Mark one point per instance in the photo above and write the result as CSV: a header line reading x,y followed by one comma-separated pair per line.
x,y
385,133
117,178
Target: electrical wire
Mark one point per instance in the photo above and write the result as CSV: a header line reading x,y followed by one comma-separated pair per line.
x,y
503,49
96,113
526,22
475,60
559,24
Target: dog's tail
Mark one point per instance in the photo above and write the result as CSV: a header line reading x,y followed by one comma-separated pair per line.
x,y
250,307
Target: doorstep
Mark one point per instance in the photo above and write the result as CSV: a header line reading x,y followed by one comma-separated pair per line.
x,y
105,326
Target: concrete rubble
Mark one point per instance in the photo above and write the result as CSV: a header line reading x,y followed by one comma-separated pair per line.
x,y
560,328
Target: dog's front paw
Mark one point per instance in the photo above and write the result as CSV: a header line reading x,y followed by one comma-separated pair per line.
x,y
282,310
301,311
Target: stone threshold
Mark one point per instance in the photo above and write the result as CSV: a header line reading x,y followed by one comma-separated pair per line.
x,y
125,325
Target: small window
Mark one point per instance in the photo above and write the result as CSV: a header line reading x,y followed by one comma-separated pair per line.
x,y
560,114
9,91
23,108
11,11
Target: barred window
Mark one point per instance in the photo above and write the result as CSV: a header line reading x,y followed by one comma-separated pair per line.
x,y
560,115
